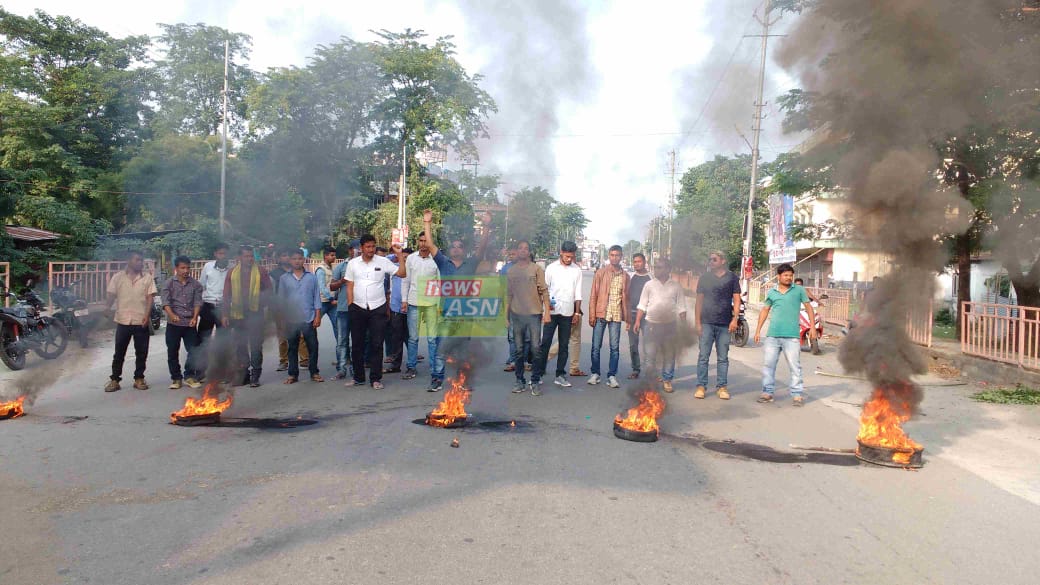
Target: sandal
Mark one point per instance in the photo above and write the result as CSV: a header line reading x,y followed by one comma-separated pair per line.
x,y
317,378
765,397
633,376
377,386
290,380
798,401
580,373
509,368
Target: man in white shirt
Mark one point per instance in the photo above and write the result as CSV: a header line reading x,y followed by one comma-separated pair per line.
x,y
212,278
421,309
563,279
369,309
661,303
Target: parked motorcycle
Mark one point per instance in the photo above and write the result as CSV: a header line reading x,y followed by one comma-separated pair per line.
x,y
808,344
71,310
741,335
156,316
22,328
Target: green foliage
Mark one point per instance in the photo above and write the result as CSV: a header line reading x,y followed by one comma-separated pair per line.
x,y
192,79
173,164
944,316
710,209
1018,395
63,217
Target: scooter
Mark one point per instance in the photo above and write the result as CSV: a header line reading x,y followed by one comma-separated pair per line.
x,y
808,344
71,310
22,328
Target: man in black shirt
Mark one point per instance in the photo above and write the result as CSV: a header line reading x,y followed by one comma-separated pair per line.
x,y
635,288
718,307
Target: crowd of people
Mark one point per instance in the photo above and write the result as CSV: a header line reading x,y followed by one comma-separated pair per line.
x,y
374,300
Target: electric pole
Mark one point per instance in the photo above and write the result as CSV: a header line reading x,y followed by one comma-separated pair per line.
x,y
745,260
402,206
671,201
223,140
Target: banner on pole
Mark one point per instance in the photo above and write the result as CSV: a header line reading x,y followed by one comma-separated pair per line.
x,y
780,241
468,306
399,237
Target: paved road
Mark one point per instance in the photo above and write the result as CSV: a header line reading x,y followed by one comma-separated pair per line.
x,y
366,496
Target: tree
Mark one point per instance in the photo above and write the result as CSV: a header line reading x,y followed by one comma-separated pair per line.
x,y
429,97
191,74
72,103
164,172
568,222
710,209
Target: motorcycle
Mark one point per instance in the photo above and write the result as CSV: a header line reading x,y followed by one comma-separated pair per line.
x,y
71,310
22,328
741,335
156,316
808,344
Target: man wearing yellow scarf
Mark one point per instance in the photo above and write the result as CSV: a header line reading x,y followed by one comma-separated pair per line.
x,y
245,297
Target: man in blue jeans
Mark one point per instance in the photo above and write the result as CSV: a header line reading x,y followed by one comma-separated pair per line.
x,y
423,311
784,302
528,300
344,369
718,308
608,309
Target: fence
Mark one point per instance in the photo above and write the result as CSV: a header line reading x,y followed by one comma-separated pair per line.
x,y
5,276
89,280
836,308
919,323
1003,333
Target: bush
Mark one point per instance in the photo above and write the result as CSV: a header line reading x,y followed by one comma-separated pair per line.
x,y
944,317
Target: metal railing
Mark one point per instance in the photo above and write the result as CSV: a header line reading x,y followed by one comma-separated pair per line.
x,y
836,308
1003,333
919,323
91,278
5,276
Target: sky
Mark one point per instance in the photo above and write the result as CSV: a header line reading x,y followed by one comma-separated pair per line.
x,y
592,95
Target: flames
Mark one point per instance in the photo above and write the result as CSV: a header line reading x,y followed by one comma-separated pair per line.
x,y
208,404
643,416
880,426
453,406
13,408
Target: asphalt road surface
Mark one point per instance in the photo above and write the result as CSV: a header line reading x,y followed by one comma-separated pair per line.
x,y
365,495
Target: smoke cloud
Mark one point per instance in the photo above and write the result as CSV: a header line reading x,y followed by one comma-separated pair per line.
x,y
898,77
539,59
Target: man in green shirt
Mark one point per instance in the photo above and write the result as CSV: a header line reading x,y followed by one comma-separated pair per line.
x,y
784,302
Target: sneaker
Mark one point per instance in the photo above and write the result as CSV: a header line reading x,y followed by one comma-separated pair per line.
x,y
282,367
140,384
798,401
612,382
593,379
723,393
667,386
112,385
519,387
175,385
193,383
409,374
435,386
765,397
700,392
536,390
562,381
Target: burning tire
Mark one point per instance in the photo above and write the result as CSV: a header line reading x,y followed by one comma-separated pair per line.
x,y
634,435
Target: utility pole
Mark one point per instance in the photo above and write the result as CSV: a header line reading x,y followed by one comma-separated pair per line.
x,y
757,129
223,140
671,201
402,206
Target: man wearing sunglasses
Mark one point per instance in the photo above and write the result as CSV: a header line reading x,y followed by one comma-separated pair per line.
x,y
718,309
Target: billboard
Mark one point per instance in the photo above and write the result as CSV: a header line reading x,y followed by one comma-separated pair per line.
x,y
780,242
470,306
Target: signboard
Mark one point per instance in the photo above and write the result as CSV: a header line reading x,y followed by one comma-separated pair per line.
x,y
399,236
469,306
780,242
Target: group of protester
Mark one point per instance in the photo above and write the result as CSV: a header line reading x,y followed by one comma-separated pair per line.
x,y
376,305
